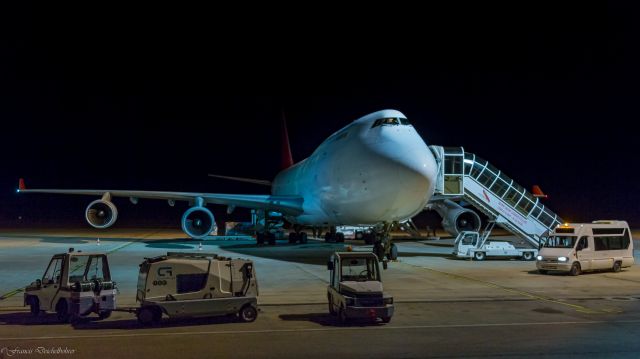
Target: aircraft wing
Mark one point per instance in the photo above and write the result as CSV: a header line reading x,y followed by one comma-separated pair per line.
x,y
290,205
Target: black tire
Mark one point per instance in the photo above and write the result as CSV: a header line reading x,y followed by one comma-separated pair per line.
x,y
148,315
378,250
575,269
293,237
272,239
479,256
332,310
617,266
527,256
342,316
104,314
248,313
368,238
260,238
34,306
542,271
358,235
339,237
393,253
386,319
303,237
328,237
62,311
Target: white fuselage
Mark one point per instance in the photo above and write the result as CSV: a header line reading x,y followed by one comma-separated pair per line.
x,y
363,174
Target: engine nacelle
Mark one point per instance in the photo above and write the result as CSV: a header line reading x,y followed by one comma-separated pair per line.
x,y
198,222
456,218
101,214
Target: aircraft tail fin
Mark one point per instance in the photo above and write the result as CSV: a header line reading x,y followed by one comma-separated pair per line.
x,y
242,179
287,158
537,192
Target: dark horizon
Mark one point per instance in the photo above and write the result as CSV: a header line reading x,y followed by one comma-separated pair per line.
x,y
552,106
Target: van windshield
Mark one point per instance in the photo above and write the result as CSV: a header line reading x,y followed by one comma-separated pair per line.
x,y
560,242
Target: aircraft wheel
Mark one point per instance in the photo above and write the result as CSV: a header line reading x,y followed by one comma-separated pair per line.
x,y
272,239
339,237
393,253
293,237
260,238
303,237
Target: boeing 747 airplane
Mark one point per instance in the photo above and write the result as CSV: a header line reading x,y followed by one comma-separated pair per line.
x,y
374,172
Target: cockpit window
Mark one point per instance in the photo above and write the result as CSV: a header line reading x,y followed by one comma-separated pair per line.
x,y
391,121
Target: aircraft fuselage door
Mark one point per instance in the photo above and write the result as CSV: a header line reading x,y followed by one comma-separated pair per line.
x,y
453,168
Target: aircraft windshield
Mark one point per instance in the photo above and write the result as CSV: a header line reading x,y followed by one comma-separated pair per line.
x,y
391,121
560,242
359,269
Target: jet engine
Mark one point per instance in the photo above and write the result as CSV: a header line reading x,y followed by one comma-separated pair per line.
x,y
101,214
197,222
456,218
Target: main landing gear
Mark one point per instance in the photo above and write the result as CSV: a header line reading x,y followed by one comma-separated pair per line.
x,y
333,236
383,245
298,236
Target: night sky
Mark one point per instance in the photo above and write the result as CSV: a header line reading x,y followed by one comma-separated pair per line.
x,y
155,100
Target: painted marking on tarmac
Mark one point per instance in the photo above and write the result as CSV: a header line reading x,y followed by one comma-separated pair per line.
x,y
21,289
576,307
300,330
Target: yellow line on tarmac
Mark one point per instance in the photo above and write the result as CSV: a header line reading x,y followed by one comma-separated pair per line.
x,y
576,307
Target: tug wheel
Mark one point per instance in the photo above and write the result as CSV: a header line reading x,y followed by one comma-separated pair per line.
x,y
248,313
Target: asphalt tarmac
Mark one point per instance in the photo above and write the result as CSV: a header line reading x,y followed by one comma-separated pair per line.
x,y
445,307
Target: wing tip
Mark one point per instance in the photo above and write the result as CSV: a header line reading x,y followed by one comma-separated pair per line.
x,y
21,186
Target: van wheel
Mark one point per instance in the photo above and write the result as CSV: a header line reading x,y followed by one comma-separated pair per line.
x,y
617,266
386,319
62,311
527,256
575,269
34,306
248,313
479,256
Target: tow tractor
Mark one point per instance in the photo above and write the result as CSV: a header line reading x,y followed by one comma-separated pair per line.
x,y
195,285
469,244
355,288
74,285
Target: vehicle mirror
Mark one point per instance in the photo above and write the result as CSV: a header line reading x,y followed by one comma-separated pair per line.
x,y
330,265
